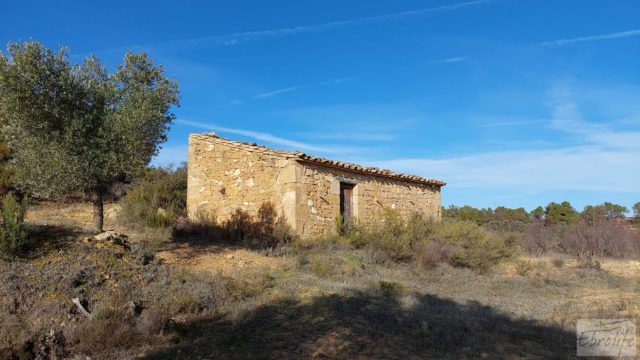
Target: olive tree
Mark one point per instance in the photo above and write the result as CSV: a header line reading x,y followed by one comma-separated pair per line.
x,y
76,128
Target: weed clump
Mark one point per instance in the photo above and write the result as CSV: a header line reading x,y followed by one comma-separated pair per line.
x,y
13,230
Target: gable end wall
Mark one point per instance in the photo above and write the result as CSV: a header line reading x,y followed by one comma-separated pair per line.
x,y
223,178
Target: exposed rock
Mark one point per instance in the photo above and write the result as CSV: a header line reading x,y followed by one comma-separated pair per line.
x,y
112,236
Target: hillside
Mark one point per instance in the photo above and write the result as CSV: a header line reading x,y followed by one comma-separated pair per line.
x,y
155,297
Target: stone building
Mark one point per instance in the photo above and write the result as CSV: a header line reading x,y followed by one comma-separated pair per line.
x,y
310,192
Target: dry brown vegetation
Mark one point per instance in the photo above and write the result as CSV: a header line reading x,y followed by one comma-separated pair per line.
x,y
192,295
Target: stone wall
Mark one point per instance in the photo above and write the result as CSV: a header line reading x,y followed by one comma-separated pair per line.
x,y
225,175
318,200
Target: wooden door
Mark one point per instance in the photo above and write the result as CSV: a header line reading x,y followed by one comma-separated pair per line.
x,y
346,202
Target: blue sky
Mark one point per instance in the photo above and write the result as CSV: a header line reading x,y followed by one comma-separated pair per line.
x,y
512,102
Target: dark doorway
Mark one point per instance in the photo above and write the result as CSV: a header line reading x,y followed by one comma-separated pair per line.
x,y
346,203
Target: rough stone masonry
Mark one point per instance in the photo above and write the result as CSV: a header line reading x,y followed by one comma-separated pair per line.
x,y
310,192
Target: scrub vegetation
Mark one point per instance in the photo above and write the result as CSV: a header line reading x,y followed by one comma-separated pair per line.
x,y
247,288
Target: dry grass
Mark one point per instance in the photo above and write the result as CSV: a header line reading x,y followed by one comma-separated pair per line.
x,y
213,300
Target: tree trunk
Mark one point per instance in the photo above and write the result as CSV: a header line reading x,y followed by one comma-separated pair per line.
x,y
98,209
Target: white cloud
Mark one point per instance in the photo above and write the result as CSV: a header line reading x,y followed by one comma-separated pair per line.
x,y
566,117
276,92
241,37
449,60
583,168
606,159
298,87
610,36
269,138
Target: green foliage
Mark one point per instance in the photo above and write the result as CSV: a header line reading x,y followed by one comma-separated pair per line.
x,y
157,198
561,213
460,243
636,210
6,174
537,213
13,230
392,234
474,247
468,213
76,128
605,210
500,219
593,213
614,210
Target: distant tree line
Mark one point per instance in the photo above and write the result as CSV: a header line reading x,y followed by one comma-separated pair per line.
x,y
553,213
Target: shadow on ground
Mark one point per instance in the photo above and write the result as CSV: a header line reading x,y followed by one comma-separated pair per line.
x,y
369,325
47,238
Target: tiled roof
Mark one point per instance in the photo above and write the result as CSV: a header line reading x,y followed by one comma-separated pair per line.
x,y
300,156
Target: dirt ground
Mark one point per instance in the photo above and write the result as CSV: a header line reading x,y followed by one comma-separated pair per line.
x,y
212,258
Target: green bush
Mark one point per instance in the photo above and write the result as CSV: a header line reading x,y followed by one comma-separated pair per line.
x,y
473,246
158,198
459,243
13,230
394,235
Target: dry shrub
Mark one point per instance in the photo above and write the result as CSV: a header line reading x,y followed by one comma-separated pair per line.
x,y
265,230
433,253
586,239
326,265
602,238
392,289
540,237
588,263
557,262
112,327
523,267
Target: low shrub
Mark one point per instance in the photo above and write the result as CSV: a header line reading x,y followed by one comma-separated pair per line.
x,y
474,247
112,327
158,198
392,289
397,237
558,263
459,243
13,230
433,253
523,267
588,263
266,230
